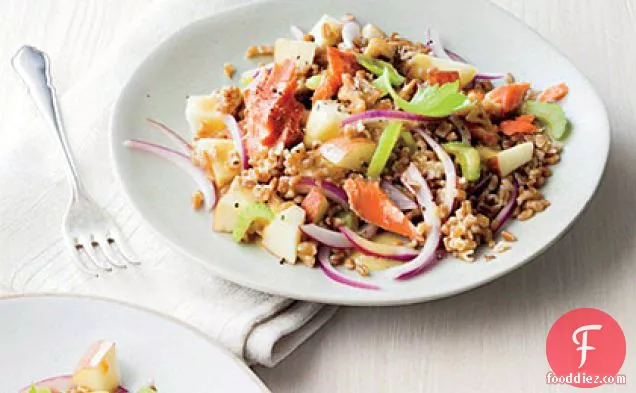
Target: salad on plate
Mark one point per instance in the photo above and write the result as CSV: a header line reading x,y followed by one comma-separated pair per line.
x,y
356,150
96,372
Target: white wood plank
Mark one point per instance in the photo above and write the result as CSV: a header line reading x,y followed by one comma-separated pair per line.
x,y
74,34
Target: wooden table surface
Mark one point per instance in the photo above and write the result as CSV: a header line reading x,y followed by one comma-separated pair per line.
x,y
491,339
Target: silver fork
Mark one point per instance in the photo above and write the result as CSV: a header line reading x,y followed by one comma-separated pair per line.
x,y
87,228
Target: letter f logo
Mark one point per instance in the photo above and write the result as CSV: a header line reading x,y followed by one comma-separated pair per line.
x,y
584,347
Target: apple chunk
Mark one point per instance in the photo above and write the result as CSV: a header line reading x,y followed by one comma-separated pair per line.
x,y
219,151
282,235
203,115
324,122
301,52
318,31
506,161
349,153
227,210
420,64
315,205
98,369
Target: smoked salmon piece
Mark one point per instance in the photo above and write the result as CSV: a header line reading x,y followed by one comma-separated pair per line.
x,y
438,77
272,113
339,63
523,124
554,93
370,203
505,99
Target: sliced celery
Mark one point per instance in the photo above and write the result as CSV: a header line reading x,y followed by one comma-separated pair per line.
x,y
387,141
468,158
408,140
551,115
254,211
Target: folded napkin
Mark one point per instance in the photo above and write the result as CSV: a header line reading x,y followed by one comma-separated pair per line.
x,y
258,327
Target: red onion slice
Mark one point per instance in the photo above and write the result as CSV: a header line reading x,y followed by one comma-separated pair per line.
x,y
401,199
331,190
387,114
367,247
297,32
326,237
184,146
481,186
237,138
450,189
454,56
434,42
505,213
121,389
331,272
60,383
350,31
485,76
415,183
182,161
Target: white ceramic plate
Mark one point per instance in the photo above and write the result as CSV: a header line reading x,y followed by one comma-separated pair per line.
x,y
45,336
191,62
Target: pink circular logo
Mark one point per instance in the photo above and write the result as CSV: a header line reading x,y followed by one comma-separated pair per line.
x,y
585,345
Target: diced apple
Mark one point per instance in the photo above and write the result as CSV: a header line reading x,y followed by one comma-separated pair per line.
x,y
349,153
371,31
419,64
98,369
229,206
282,235
315,204
506,161
317,30
219,151
486,152
324,122
203,115
375,263
301,52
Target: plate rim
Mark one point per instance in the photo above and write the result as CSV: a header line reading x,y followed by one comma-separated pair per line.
x,y
238,279
168,318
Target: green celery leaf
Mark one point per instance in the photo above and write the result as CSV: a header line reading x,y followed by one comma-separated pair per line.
x,y
378,67
434,101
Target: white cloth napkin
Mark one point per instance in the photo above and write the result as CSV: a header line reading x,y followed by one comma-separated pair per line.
x,y
258,327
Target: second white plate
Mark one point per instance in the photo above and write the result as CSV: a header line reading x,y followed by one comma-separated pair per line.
x,y
45,336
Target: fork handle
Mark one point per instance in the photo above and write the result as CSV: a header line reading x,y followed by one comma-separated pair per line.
x,y
33,67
